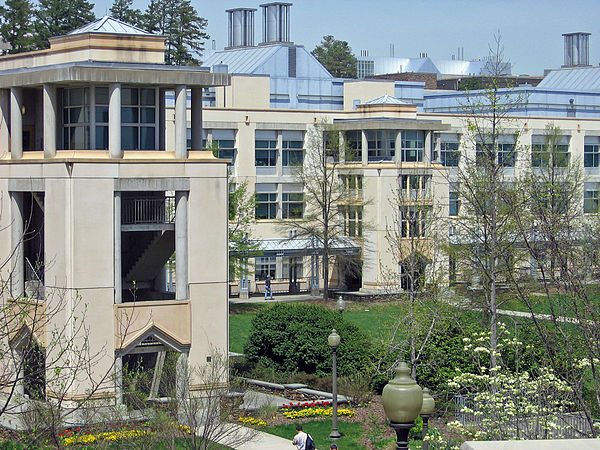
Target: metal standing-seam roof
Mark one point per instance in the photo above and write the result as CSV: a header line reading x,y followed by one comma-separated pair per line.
x,y
386,100
109,24
243,60
572,79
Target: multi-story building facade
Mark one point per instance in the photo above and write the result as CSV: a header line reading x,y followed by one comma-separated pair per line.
x,y
95,198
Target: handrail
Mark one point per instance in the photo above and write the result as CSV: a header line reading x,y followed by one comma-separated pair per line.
x,y
148,210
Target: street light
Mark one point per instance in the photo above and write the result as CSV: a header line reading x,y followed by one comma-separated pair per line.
x,y
334,343
426,412
341,305
402,403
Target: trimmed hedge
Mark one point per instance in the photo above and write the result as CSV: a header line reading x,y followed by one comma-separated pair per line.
x,y
293,338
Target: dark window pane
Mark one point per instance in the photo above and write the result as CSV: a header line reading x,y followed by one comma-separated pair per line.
x,y
129,138
129,115
101,96
147,138
102,114
102,138
147,115
129,96
147,97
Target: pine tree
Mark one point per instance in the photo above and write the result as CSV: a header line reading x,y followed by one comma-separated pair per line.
x,y
183,27
336,56
58,17
17,25
122,10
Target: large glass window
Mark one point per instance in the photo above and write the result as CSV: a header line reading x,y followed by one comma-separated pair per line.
x,y
591,151
292,205
138,118
449,153
293,154
76,118
354,146
545,153
265,152
413,144
264,266
352,186
381,145
266,201
454,206
414,187
505,152
352,216
590,201
412,221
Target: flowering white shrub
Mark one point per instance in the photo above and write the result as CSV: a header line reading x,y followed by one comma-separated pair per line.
x,y
509,404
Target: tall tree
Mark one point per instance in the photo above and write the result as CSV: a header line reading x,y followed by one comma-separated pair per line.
x,y
58,17
336,56
17,25
123,11
484,235
183,28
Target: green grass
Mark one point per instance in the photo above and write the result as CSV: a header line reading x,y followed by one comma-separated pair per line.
x,y
319,430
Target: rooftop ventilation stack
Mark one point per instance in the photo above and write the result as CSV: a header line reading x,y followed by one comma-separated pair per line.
x,y
276,22
241,27
577,49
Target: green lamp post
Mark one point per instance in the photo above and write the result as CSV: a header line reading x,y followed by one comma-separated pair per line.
x,y
334,342
402,403
426,412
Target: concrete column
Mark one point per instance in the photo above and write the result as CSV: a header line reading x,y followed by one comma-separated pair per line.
x,y
16,123
365,148
427,150
117,248
180,122
118,380
197,118
49,94
4,121
161,119
398,148
181,245
182,378
114,121
342,144
17,278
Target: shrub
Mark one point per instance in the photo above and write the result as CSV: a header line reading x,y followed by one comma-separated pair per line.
x,y
293,338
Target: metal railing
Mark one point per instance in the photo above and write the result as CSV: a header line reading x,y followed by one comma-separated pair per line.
x,y
148,210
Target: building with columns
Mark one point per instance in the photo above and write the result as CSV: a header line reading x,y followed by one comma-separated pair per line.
x,y
95,199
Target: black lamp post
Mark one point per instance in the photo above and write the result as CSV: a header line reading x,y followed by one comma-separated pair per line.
x,y
426,412
334,343
341,305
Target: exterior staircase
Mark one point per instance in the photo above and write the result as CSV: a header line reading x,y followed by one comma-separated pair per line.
x,y
156,254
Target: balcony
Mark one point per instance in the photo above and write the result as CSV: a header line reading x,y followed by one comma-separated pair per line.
x,y
148,213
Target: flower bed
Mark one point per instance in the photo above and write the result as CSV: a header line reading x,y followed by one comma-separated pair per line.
x,y
73,436
246,420
315,411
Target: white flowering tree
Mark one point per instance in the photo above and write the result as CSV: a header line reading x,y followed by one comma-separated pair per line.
x,y
504,403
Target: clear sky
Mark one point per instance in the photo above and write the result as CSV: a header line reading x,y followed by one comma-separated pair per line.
x,y
531,29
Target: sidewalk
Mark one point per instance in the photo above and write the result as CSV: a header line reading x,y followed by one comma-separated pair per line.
x,y
266,441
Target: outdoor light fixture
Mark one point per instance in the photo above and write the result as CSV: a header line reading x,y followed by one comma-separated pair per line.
x,y
334,342
426,412
402,402
341,304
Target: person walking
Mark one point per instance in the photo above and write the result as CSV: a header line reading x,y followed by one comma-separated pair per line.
x,y
268,288
300,438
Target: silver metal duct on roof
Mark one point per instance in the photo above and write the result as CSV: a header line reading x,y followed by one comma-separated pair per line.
x,y
276,22
577,49
241,27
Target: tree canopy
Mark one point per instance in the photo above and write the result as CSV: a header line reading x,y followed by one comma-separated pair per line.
x,y
58,17
123,11
336,56
17,25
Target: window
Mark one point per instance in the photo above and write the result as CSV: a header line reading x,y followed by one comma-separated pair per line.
x,y
590,202
449,154
101,110
354,146
545,153
292,205
265,152
412,221
352,186
352,216
505,152
454,205
413,143
291,268
138,118
415,187
264,266
591,151
381,145
266,206
293,155
76,118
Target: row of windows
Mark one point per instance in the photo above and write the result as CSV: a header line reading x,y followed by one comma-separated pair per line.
x,y
292,268
266,153
268,206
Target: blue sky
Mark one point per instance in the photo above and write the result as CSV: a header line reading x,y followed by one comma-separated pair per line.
x,y
531,30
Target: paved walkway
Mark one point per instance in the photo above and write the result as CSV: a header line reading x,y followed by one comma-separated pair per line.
x,y
266,441
276,298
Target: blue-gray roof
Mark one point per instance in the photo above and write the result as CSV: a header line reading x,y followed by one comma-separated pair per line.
x,y
109,24
243,60
573,79
386,100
